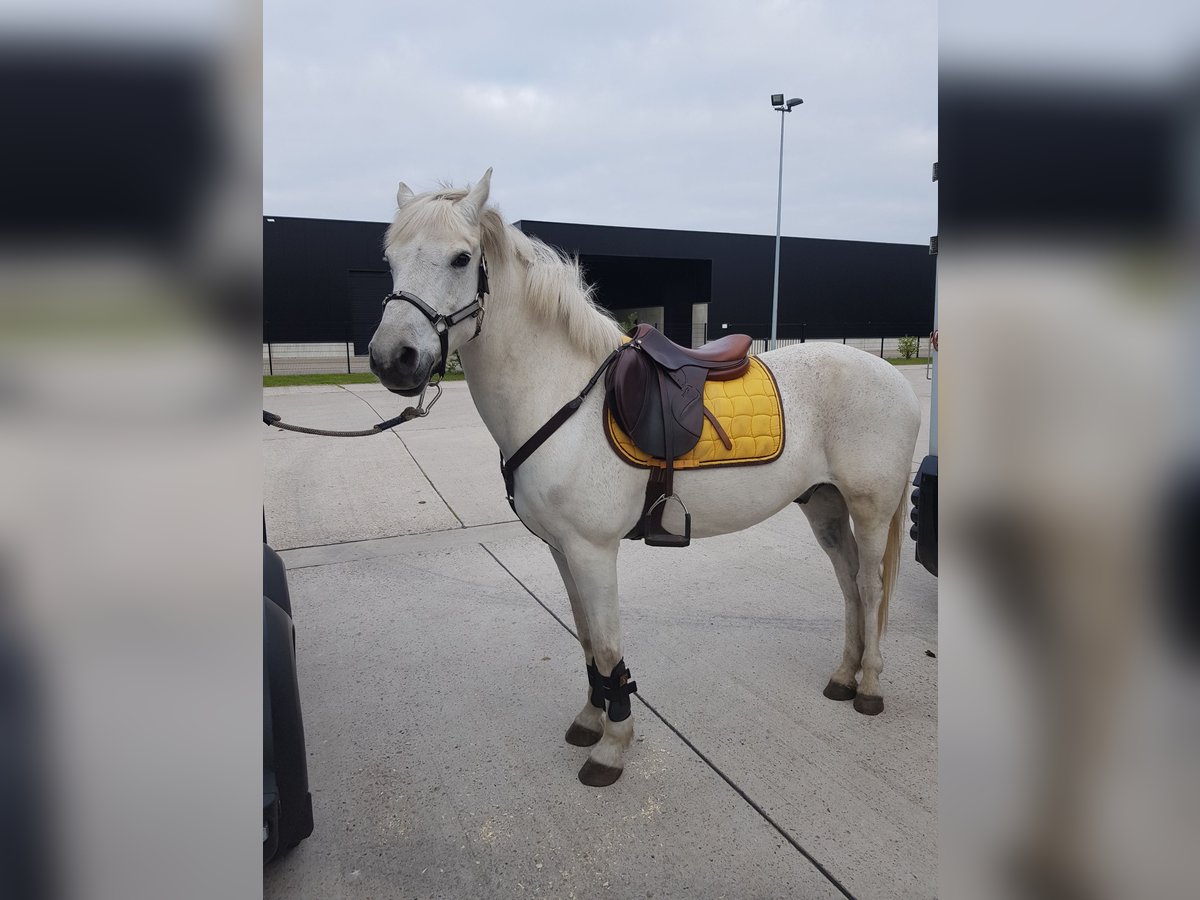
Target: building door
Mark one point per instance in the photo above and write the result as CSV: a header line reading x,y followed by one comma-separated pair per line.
x,y
699,323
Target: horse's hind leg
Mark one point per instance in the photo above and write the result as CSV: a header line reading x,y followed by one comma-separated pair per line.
x,y
829,519
872,521
594,570
588,726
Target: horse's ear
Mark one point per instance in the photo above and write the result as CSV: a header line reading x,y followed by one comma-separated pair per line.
x,y
404,195
476,198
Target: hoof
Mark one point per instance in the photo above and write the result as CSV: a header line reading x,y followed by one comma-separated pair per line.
x,y
594,774
836,691
868,705
579,736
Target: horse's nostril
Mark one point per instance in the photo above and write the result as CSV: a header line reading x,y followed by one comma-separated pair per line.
x,y
408,358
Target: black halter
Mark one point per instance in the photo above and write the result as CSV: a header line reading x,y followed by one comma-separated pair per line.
x,y
443,323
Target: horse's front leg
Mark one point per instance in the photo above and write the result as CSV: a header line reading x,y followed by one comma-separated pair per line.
x,y
588,726
594,570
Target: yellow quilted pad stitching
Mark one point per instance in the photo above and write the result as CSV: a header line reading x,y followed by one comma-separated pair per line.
x,y
749,410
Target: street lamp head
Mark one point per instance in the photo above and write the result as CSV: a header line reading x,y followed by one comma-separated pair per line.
x,y
777,99
795,101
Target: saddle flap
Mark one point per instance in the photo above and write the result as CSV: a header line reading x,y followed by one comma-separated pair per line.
x,y
627,386
635,396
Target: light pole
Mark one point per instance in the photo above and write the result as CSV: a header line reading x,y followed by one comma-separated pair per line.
x,y
778,103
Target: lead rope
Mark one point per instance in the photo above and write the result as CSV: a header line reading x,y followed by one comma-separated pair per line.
x,y
413,412
474,310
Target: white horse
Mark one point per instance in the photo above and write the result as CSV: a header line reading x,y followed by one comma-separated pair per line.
x,y
851,423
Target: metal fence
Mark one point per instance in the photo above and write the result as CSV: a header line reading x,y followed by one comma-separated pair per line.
x,y
326,358
886,347
337,357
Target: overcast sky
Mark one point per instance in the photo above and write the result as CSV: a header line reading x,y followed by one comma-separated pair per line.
x,y
652,114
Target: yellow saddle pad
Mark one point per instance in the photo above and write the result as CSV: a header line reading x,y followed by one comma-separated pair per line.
x,y
749,410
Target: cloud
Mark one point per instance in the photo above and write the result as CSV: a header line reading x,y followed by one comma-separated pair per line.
x,y
654,115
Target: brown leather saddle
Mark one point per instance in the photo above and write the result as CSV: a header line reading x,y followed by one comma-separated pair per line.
x,y
655,389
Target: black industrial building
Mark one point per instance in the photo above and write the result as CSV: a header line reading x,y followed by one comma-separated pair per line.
x,y
323,281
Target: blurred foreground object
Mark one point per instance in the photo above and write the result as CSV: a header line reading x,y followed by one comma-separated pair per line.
x,y
287,803
1067,718
129,496
26,836
117,144
923,511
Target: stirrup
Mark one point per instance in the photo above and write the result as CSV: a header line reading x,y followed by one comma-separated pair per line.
x,y
660,537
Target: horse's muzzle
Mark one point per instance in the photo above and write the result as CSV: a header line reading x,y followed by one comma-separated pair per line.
x,y
402,373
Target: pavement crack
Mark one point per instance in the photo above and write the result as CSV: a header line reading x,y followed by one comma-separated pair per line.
x,y
783,832
750,801
365,549
525,588
411,456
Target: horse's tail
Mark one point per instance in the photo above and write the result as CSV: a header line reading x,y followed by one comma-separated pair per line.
x,y
891,559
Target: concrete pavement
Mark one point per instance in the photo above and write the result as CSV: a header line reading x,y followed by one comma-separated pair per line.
x,y
438,677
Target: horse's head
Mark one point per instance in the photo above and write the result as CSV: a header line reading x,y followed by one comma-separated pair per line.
x,y
439,280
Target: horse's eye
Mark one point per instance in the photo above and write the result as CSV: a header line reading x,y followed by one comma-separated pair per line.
x,y
461,260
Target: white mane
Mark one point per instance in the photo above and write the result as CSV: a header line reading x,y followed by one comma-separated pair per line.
x,y
554,285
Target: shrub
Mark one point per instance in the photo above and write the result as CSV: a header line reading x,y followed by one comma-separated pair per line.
x,y
908,346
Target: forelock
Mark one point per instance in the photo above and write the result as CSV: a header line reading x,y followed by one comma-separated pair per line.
x,y
431,212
